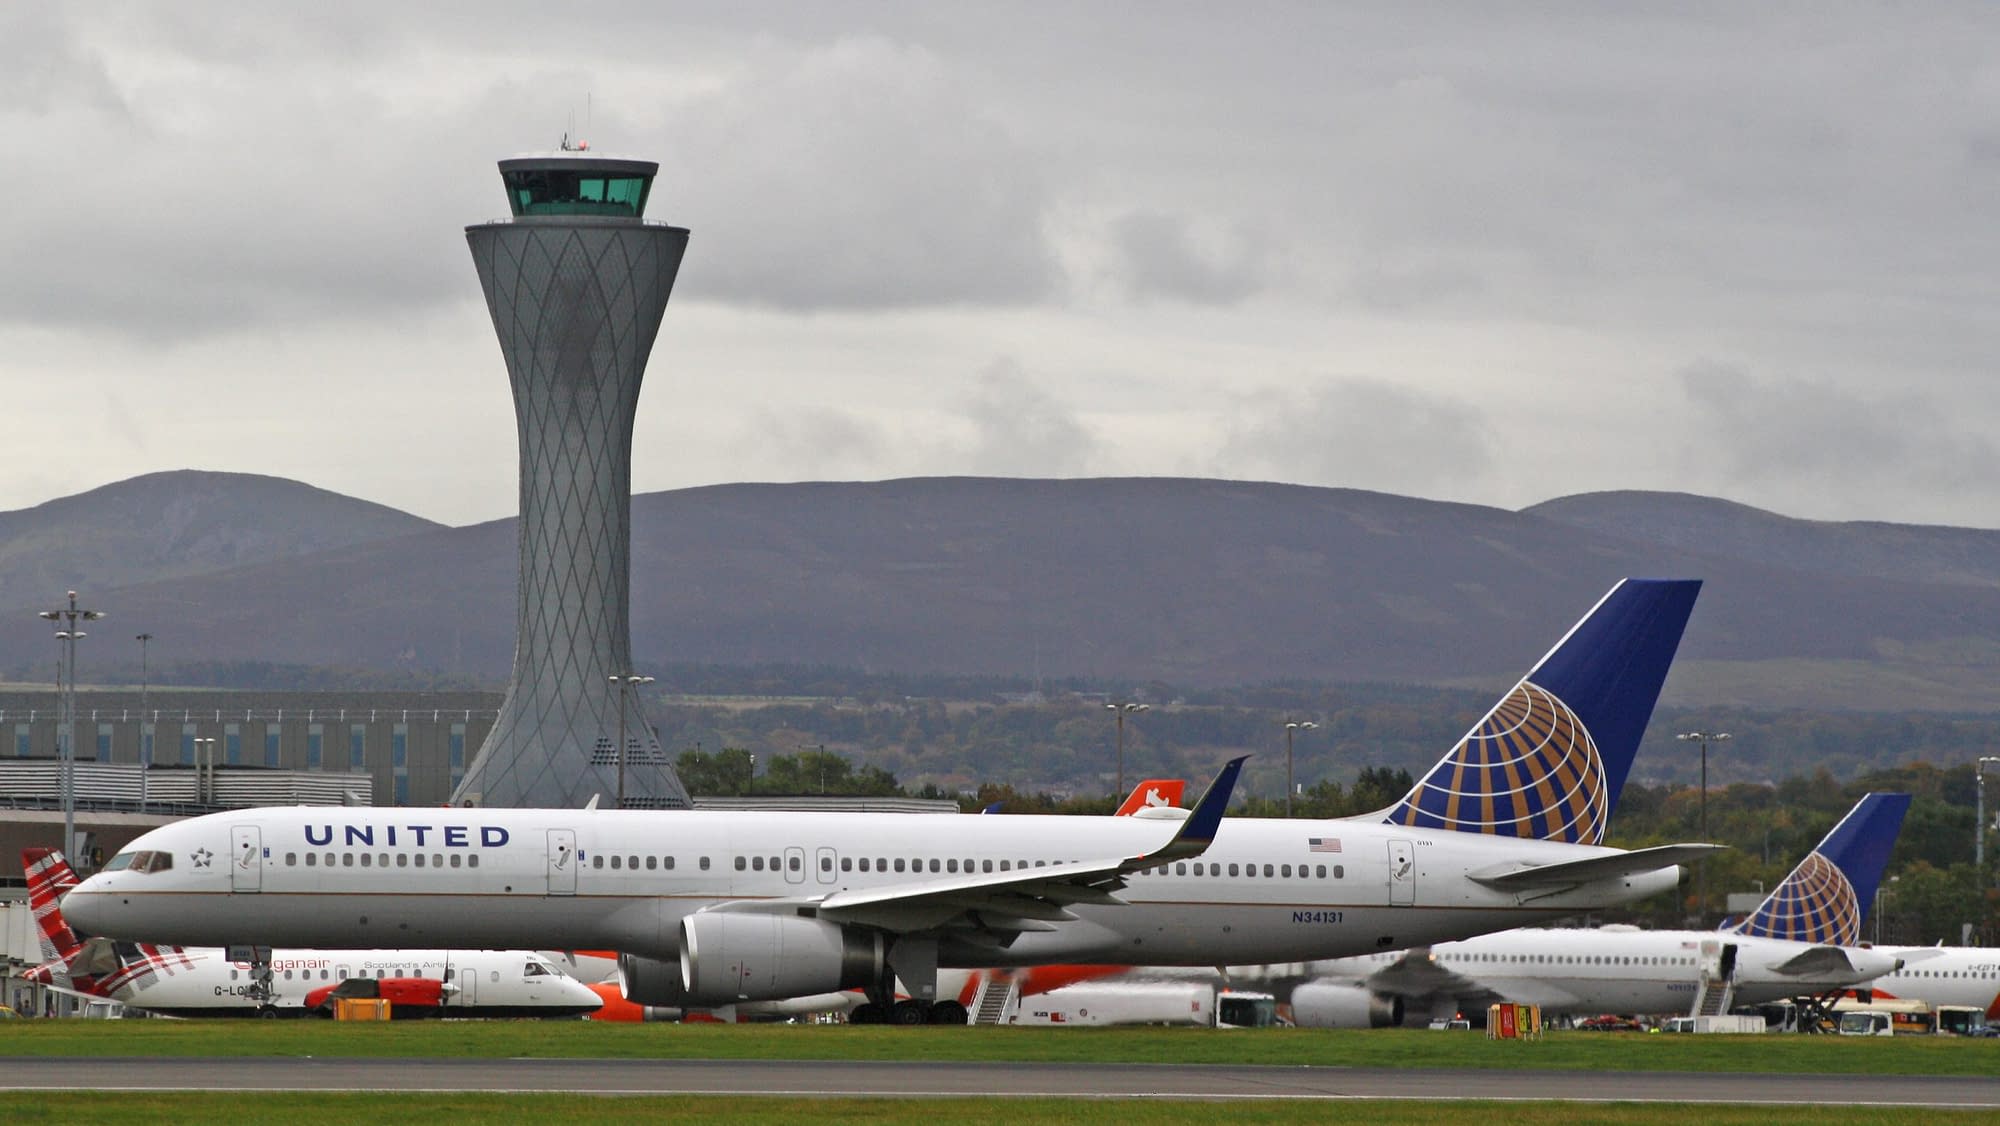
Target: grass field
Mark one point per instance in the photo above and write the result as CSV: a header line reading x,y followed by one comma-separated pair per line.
x,y
1570,1051
571,1110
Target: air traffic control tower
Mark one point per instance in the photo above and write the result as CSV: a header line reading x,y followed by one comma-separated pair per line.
x,y
576,281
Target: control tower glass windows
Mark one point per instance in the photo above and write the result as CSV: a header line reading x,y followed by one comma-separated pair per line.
x,y
571,191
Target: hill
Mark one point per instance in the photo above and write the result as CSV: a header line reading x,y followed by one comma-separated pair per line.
x,y
167,525
1859,549
1116,582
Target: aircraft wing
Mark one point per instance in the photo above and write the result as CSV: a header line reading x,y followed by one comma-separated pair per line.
x,y
1004,904
1608,866
1416,975
1421,981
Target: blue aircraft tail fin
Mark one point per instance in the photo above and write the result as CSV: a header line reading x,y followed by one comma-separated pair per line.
x,y
1550,759
1826,896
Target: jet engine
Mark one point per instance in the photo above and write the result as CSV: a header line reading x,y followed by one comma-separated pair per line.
x,y
728,956
649,981
1326,1005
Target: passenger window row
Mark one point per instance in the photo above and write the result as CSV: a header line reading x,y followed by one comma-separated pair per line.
x,y
382,860
652,863
949,865
1271,871
1569,959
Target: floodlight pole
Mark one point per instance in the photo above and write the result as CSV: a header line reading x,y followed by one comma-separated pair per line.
x,y
145,726
1291,787
1979,824
68,616
1118,711
1701,865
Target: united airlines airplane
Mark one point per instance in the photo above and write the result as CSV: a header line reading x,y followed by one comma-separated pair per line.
x,y
713,908
1801,941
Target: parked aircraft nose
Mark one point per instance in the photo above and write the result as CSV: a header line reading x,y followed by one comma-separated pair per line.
x,y
79,907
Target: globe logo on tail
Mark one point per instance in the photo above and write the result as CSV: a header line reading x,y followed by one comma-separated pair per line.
x,y
1529,769
1816,903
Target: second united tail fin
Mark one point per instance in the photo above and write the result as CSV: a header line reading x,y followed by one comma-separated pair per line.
x,y
1550,759
1825,897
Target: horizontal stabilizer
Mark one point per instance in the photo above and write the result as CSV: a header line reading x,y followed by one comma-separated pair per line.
x,y
97,956
1606,867
1820,961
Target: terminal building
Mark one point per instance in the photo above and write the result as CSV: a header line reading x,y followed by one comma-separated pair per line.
x,y
140,765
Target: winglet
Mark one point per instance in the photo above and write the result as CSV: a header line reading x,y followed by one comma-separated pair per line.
x,y
1825,897
1198,831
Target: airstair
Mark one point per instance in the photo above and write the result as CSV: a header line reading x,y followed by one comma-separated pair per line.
x,y
997,997
1717,964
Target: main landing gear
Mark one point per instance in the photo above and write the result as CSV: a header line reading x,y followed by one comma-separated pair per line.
x,y
913,958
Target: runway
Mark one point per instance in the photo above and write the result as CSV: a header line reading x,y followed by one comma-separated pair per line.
x,y
903,1079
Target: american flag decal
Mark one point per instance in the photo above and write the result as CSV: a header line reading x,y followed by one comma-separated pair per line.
x,y
1322,844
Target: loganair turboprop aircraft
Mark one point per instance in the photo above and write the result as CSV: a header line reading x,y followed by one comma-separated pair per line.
x,y
712,908
206,982
1800,941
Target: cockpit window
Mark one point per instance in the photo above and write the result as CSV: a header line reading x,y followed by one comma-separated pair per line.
x,y
534,969
119,862
152,861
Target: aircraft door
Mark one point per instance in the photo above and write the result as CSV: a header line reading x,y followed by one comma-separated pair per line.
x,y
467,980
1709,962
1402,874
562,862
246,863
827,865
795,865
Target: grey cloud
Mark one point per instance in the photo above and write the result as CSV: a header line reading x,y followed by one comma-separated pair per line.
x,y
820,442
857,175
246,198
1162,255
1826,446
1359,433
46,71
299,183
1412,283
1018,429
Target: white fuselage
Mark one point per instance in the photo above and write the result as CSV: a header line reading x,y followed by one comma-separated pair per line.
x,y
203,981
624,879
1621,970
1945,975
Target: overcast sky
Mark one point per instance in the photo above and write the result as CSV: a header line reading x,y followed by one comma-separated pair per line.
x,y
1482,252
